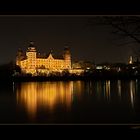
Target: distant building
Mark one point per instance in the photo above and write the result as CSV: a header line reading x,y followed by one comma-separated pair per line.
x,y
33,62
104,66
83,65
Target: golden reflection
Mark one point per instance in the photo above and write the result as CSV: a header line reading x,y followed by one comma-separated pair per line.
x,y
90,87
119,88
104,88
99,87
78,87
132,92
108,89
45,95
27,95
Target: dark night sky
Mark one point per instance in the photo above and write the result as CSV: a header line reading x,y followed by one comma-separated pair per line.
x,y
87,42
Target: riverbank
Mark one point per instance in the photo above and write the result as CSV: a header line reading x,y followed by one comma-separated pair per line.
x,y
71,78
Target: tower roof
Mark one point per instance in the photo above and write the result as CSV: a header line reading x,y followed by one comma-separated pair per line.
x,y
66,51
31,44
31,47
66,48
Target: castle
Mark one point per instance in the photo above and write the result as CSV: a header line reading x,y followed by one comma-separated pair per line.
x,y
34,63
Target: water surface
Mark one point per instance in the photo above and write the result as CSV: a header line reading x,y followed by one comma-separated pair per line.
x,y
88,102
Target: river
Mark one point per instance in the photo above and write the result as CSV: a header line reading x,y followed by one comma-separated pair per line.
x,y
71,102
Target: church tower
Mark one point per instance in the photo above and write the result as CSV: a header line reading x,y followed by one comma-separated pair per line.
x,y
67,58
130,60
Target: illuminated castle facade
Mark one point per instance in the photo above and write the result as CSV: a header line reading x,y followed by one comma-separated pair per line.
x,y
34,63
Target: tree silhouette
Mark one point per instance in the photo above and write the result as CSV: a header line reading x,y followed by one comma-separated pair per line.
x,y
125,27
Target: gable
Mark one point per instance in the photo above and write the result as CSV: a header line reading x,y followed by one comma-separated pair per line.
x,y
50,57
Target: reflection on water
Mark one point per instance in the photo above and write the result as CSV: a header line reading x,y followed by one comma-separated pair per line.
x,y
107,87
47,96
132,92
119,88
35,95
103,90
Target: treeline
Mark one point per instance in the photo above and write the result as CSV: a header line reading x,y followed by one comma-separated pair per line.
x,y
6,71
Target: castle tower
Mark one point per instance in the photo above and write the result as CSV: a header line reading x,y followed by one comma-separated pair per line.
x,y
20,56
31,58
67,58
67,55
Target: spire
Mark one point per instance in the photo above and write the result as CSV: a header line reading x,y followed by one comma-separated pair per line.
x,y
31,44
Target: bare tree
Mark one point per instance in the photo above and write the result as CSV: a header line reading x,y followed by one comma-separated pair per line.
x,y
122,26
